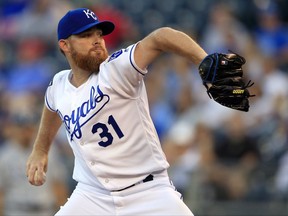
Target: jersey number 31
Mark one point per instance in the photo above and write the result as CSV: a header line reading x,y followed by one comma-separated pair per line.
x,y
103,131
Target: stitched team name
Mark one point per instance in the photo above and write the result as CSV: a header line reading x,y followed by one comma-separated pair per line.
x,y
96,102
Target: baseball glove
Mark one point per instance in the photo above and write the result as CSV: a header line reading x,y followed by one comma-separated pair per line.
x,y
222,75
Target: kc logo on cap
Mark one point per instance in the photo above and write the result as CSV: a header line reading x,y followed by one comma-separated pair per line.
x,y
90,14
79,20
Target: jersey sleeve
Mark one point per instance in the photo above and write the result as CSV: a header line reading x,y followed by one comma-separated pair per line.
x,y
49,99
55,88
121,72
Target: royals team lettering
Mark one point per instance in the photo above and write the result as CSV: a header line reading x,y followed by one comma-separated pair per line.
x,y
74,121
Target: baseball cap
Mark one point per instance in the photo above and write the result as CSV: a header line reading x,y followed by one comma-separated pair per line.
x,y
79,20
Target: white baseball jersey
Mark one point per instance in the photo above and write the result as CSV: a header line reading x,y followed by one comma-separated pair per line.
x,y
108,123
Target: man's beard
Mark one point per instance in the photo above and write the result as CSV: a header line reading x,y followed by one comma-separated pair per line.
x,y
88,62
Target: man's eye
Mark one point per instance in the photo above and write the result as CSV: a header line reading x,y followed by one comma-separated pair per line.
x,y
85,35
90,33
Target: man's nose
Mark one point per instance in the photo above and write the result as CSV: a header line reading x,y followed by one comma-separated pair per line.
x,y
96,38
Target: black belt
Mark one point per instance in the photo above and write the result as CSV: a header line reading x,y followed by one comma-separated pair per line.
x,y
147,179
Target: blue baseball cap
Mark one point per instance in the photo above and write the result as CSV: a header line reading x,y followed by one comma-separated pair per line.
x,y
79,20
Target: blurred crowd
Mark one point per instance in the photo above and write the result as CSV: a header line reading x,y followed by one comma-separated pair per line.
x,y
215,153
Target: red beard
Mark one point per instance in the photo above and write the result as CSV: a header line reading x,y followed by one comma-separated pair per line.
x,y
89,62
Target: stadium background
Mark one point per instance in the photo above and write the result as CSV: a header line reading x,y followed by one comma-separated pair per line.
x,y
224,162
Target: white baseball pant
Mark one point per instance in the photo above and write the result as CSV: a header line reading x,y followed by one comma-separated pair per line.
x,y
156,197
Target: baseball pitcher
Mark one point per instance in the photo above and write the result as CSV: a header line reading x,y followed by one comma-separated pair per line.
x,y
102,102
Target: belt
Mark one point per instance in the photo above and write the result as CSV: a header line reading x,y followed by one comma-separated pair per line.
x,y
147,179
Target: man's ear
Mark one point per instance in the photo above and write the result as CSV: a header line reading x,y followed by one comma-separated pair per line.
x,y
63,45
